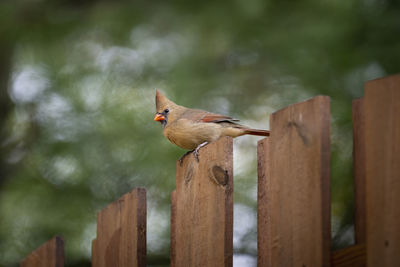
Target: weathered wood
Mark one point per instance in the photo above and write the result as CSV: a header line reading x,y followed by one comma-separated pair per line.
x,y
204,208
95,257
353,256
359,171
121,232
173,229
382,162
263,216
297,170
50,254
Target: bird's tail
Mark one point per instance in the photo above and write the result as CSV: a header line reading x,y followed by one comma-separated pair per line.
x,y
257,132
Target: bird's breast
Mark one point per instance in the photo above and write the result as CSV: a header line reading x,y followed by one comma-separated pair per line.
x,y
188,134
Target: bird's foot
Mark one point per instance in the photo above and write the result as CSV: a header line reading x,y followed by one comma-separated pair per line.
x,y
196,151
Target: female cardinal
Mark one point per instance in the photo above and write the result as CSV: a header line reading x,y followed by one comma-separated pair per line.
x,y
193,128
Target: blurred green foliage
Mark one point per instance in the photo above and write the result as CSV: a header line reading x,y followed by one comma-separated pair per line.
x,y
77,100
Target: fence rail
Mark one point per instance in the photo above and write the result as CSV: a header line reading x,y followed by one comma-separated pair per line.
x,y
293,196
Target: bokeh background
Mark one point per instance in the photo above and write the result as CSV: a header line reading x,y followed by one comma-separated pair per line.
x,y
78,80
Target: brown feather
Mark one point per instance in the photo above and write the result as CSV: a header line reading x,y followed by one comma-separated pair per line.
x,y
218,118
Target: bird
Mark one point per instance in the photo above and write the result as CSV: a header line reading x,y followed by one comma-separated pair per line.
x,y
192,129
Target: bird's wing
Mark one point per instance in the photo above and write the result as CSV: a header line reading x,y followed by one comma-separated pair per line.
x,y
216,118
198,115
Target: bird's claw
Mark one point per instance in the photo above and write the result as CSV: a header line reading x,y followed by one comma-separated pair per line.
x,y
196,151
196,154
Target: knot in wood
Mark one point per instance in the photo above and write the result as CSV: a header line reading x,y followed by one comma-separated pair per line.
x,y
220,175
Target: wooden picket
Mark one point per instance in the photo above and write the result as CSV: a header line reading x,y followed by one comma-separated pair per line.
x,y
121,232
294,178
263,198
381,111
293,196
202,227
50,254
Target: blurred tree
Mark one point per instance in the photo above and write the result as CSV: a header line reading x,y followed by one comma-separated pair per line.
x,y
77,83
5,101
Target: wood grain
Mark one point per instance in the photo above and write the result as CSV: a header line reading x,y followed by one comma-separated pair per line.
x,y
121,232
382,155
297,168
263,215
204,208
173,229
50,254
359,171
353,256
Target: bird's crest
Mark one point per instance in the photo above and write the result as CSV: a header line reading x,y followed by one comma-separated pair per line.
x,y
162,102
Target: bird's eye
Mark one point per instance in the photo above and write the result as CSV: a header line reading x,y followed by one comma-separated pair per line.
x,y
166,111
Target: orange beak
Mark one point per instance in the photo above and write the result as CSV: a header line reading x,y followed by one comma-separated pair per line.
x,y
159,117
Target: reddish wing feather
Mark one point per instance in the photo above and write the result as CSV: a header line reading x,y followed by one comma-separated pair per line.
x,y
217,118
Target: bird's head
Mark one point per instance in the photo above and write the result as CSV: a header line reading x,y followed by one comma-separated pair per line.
x,y
164,106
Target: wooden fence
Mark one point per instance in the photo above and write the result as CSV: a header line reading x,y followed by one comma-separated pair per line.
x,y
293,196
